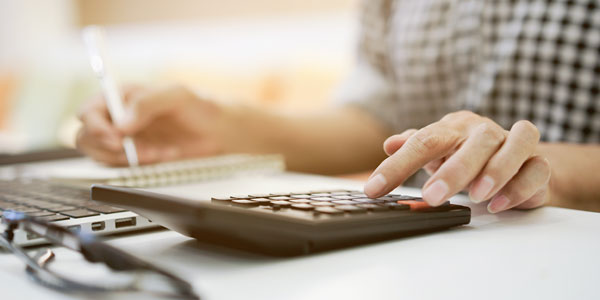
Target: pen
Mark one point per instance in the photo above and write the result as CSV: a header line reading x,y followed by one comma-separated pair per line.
x,y
93,38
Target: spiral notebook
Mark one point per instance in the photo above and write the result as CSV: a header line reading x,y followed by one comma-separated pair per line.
x,y
169,173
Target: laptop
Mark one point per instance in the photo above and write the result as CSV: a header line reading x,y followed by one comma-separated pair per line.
x,y
61,204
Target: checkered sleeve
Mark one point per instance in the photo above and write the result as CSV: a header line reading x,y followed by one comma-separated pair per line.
x,y
537,60
403,75
369,85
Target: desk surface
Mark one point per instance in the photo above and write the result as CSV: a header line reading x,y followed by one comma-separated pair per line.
x,y
547,253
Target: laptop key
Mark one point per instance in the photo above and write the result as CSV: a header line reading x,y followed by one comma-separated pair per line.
x,y
62,208
26,209
105,209
43,213
80,213
53,218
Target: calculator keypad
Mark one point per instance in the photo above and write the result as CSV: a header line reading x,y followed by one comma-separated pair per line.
x,y
337,202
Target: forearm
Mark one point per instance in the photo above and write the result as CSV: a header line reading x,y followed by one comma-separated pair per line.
x,y
575,182
330,142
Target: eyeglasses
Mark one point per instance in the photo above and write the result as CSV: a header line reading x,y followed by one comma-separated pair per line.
x,y
146,278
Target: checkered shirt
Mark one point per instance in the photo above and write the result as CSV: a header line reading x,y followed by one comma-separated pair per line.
x,y
537,60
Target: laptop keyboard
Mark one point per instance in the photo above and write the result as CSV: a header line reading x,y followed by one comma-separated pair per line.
x,y
49,201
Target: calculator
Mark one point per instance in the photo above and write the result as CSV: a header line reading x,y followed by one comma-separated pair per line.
x,y
289,224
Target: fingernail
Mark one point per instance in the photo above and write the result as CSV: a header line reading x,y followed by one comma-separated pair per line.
x,y
375,185
482,188
435,194
499,203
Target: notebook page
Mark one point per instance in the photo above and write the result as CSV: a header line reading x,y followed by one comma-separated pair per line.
x,y
167,173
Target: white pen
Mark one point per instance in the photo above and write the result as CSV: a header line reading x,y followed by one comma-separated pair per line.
x,y
93,38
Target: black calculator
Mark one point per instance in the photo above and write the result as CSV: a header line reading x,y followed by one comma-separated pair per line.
x,y
288,224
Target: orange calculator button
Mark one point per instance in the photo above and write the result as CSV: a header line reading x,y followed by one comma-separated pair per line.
x,y
415,205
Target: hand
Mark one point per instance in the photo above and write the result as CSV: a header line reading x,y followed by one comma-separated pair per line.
x,y
466,151
166,124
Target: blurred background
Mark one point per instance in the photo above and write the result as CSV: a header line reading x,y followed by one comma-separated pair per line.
x,y
287,54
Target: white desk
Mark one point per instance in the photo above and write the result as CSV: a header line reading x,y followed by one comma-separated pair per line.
x,y
548,253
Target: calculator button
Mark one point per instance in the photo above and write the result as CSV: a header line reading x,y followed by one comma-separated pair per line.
x,y
345,202
262,201
303,206
281,203
350,208
300,200
358,195
278,194
396,206
244,202
321,203
423,206
320,194
415,205
259,195
343,197
218,199
341,193
373,207
328,210
322,198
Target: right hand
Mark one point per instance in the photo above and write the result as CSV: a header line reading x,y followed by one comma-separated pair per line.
x,y
166,124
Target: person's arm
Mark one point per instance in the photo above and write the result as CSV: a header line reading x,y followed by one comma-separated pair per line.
x,y
575,180
174,123
334,141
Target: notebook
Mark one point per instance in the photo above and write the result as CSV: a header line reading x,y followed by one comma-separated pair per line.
x,y
88,172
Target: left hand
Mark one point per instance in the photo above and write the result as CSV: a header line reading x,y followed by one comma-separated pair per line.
x,y
466,151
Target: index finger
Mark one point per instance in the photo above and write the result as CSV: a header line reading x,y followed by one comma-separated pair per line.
x,y
430,143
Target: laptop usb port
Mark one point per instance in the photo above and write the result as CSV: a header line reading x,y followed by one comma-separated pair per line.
x,y
74,228
125,222
97,226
